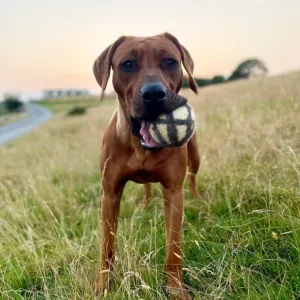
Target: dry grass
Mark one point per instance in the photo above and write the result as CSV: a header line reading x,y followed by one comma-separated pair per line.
x,y
241,241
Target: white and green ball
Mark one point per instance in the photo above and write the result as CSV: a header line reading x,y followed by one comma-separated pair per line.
x,y
173,129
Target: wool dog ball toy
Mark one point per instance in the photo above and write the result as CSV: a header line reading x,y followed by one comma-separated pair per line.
x,y
173,129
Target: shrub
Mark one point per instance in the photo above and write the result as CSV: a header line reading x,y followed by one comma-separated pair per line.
x,y
12,104
200,82
218,79
77,110
203,81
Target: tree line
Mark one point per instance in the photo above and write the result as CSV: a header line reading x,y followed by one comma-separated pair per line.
x,y
249,68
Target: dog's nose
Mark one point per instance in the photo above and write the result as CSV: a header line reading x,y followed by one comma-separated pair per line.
x,y
153,92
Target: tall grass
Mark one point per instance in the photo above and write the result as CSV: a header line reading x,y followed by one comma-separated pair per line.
x,y
240,241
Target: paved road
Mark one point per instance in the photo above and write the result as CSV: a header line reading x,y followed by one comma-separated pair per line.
x,y
37,116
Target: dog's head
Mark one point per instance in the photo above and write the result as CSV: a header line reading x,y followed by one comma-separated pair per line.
x,y
147,75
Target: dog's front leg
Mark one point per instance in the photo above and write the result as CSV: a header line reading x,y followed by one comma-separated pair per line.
x,y
173,208
110,207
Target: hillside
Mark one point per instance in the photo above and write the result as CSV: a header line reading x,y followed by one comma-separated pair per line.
x,y
241,240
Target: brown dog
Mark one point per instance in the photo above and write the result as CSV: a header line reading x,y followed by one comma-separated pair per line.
x,y
147,77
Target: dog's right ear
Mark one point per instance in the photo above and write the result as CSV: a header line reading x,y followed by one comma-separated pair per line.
x,y
103,63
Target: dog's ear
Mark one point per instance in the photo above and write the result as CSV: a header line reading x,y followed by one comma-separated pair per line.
x,y
187,61
103,63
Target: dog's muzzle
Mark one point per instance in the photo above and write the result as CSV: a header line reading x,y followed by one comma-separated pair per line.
x,y
156,102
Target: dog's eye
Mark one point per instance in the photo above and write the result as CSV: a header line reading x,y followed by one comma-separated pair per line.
x,y
128,66
170,63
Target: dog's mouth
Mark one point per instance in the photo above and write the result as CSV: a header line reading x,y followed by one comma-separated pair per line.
x,y
141,122
140,129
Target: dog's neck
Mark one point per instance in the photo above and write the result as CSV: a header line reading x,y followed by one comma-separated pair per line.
x,y
123,125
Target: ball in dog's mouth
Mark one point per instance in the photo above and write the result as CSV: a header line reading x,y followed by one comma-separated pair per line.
x,y
169,130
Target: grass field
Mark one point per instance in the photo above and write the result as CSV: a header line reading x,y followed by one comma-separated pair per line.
x,y
241,241
63,105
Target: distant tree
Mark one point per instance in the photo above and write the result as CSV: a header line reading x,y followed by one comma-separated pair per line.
x,y
249,68
218,79
203,81
12,103
200,82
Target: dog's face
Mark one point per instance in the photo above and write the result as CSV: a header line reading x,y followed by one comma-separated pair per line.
x,y
147,75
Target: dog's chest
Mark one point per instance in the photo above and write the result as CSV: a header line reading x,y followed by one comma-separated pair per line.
x,y
143,171
148,166
143,176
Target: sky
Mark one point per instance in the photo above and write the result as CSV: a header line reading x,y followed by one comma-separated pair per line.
x,y
53,43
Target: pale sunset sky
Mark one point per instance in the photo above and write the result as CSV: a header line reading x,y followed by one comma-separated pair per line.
x,y
53,43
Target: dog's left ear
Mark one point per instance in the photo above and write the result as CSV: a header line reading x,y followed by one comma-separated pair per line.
x,y
187,61
103,63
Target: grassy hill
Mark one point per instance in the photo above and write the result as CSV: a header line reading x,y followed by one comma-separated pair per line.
x,y
241,241
58,105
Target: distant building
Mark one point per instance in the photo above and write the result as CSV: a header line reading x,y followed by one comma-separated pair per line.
x,y
257,71
59,93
